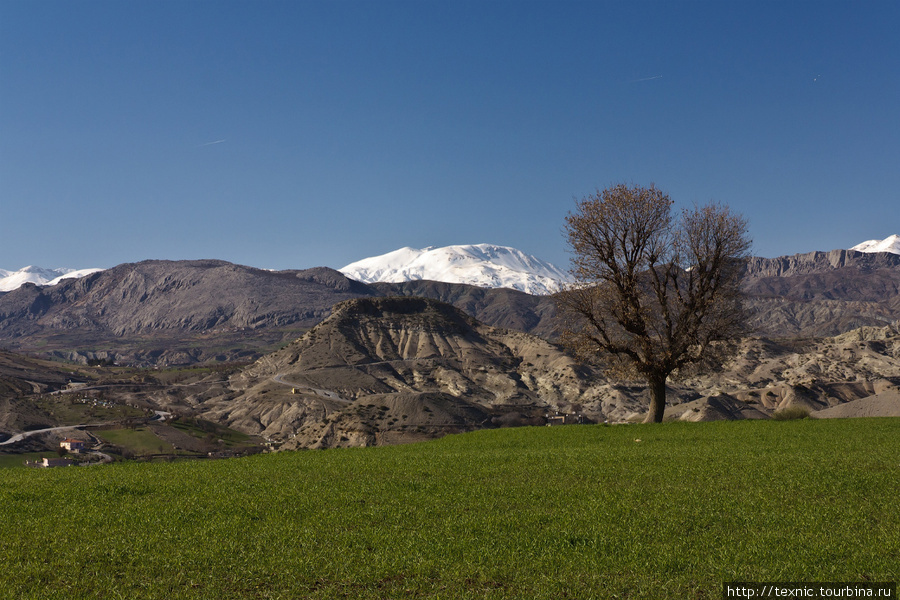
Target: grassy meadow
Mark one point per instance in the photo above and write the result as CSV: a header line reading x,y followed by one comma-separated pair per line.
x,y
8,461
140,441
564,512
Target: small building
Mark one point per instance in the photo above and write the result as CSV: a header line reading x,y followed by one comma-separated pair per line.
x,y
56,462
72,445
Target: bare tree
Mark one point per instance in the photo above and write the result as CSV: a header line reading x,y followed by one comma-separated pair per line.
x,y
654,295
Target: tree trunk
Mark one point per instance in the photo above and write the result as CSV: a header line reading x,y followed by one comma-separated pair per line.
x,y
657,385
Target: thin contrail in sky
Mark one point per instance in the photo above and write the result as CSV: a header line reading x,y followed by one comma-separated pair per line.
x,y
647,78
211,143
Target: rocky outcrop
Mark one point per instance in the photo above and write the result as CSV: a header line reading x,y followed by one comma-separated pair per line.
x,y
822,293
395,354
817,262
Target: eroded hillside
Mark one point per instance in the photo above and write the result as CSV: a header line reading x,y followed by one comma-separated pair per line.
x,y
381,369
389,370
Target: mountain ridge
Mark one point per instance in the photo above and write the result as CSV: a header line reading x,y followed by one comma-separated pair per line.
x,y
484,265
135,311
379,369
185,312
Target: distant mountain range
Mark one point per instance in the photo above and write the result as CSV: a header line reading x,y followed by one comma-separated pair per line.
x,y
186,312
481,265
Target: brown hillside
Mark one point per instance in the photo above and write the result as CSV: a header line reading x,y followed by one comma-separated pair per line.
x,y
392,353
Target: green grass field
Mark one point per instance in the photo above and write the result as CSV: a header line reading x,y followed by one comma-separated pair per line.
x,y
16,461
203,429
140,441
566,512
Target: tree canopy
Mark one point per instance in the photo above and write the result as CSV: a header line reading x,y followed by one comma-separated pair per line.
x,y
654,293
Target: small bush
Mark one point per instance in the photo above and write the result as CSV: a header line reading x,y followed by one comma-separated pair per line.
x,y
791,413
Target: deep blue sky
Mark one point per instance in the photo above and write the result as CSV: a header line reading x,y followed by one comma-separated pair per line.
x,y
297,134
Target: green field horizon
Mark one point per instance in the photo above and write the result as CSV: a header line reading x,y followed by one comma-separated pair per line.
x,y
631,511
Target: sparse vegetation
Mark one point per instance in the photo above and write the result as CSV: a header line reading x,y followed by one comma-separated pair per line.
x,y
791,413
544,513
78,409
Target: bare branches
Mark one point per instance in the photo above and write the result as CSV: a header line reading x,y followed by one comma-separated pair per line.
x,y
652,294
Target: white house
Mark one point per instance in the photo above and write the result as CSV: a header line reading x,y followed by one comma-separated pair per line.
x,y
72,445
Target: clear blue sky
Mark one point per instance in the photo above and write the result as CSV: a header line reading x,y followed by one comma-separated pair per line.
x,y
297,134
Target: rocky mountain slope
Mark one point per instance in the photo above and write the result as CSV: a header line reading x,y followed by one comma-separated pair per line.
x,y
182,312
822,293
502,307
393,370
171,311
180,295
381,370
390,370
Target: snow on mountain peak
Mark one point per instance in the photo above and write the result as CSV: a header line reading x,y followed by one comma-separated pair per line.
x,y
11,280
484,265
889,244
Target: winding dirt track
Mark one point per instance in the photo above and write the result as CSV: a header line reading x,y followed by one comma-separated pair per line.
x,y
25,434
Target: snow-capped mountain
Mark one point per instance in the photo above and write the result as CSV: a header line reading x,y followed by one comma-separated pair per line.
x,y
483,265
10,280
889,244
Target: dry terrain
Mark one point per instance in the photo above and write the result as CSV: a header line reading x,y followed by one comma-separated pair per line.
x,y
382,371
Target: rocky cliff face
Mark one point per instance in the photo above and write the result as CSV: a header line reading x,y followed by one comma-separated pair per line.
x,y
822,293
817,262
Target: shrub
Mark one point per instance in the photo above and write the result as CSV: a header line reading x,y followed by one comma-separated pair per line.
x,y
791,413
